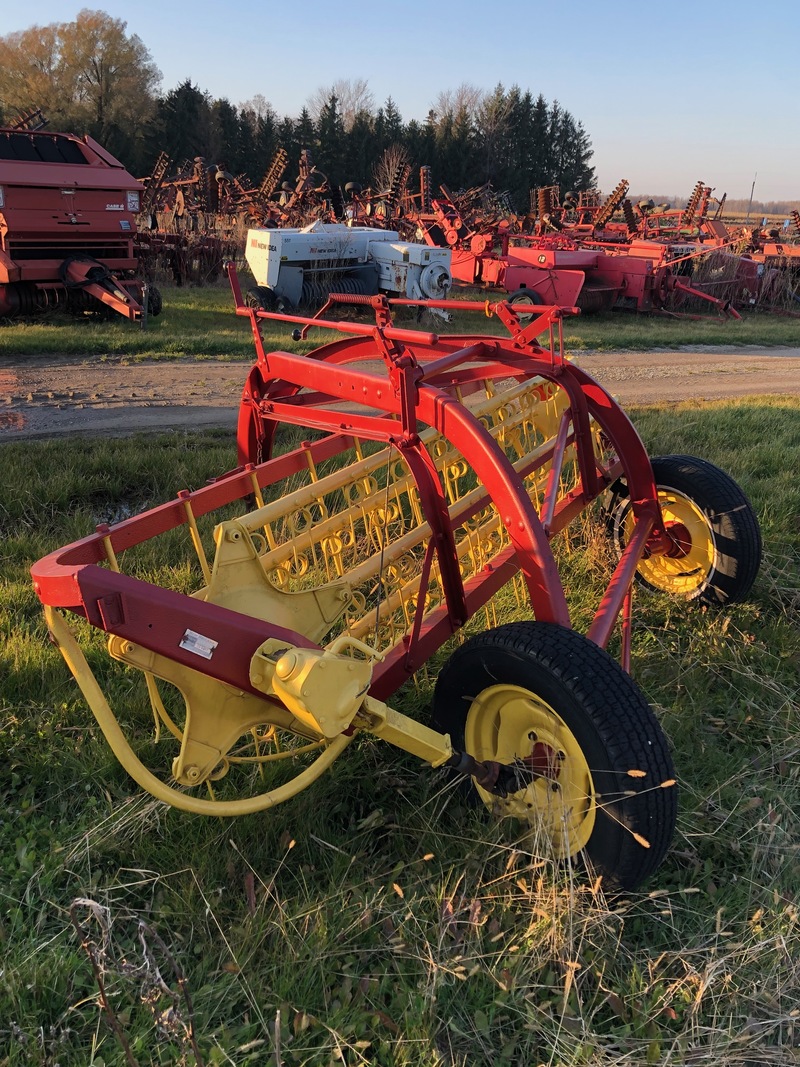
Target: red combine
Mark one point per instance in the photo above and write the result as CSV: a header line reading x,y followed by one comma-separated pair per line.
x,y
67,227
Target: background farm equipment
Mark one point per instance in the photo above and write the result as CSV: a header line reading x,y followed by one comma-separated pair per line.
x,y
558,268
482,256
441,470
195,219
383,209
67,227
697,257
300,267
187,258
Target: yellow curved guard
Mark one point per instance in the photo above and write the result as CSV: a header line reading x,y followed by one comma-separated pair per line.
x,y
107,720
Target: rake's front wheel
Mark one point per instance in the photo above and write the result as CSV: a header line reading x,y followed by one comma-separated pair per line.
x,y
600,777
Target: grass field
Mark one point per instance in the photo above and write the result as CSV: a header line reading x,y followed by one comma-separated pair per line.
x,y
200,323
376,919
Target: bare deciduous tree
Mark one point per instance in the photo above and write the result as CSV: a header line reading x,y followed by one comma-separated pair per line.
x,y
259,105
389,164
353,95
466,99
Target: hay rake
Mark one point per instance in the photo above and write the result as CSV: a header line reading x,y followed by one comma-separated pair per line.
x,y
437,471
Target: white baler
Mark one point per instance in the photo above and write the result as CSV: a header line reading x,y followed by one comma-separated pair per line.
x,y
301,266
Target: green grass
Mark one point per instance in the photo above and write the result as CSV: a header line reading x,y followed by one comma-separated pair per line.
x,y
200,323
622,330
377,919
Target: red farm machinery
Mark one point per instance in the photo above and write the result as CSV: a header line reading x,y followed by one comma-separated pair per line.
x,y
561,262
67,228
300,590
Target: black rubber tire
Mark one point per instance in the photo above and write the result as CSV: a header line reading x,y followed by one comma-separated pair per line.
x,y
519,298
260,297
609,718
154,301
731,520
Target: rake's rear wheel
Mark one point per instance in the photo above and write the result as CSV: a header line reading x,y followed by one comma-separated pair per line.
x,y
715,531
558,705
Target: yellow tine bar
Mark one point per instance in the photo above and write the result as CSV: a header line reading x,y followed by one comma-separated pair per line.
x,y
111,555
310,493
311,466
198,544
256,489
260,501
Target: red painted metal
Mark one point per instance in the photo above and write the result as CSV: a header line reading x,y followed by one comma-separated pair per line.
x,y
620,584
379,383
67,226
482,256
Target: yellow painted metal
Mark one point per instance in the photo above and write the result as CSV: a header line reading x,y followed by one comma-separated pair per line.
x,y
321,688
111,555
508,723
378,718
685,574
336,559
195,534
239,581
351,524
217,715
114,735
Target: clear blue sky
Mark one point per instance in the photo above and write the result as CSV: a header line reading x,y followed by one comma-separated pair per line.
x,y
669,93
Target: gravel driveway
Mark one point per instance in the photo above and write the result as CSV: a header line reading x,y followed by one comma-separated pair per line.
x,y
43,396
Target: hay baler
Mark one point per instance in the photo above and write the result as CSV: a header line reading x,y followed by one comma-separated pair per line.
x,y
67,227
300,267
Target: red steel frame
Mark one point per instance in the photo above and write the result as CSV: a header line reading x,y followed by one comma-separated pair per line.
x,y
61,221
423,373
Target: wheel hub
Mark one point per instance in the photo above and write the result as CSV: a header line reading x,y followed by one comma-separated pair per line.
x,y
685,568
543,762
512,725
680,540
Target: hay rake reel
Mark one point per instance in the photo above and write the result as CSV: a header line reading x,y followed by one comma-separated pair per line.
x,y
438,471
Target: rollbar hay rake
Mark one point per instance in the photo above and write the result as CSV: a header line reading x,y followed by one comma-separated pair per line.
x,y
440,469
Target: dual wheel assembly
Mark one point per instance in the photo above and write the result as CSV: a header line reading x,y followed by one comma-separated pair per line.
x,y
598,779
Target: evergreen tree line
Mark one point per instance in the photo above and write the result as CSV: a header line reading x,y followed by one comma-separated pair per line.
x,y
511,139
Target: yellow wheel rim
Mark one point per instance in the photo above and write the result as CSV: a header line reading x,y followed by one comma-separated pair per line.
x,y
688,570
509,723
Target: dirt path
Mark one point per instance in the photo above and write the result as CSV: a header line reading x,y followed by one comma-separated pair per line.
x,y
46,396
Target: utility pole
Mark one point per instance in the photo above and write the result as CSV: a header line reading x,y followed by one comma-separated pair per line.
x,y
752,190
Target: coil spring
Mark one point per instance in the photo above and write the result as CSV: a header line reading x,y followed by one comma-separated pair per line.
x,y
316,290
361,299
544,199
